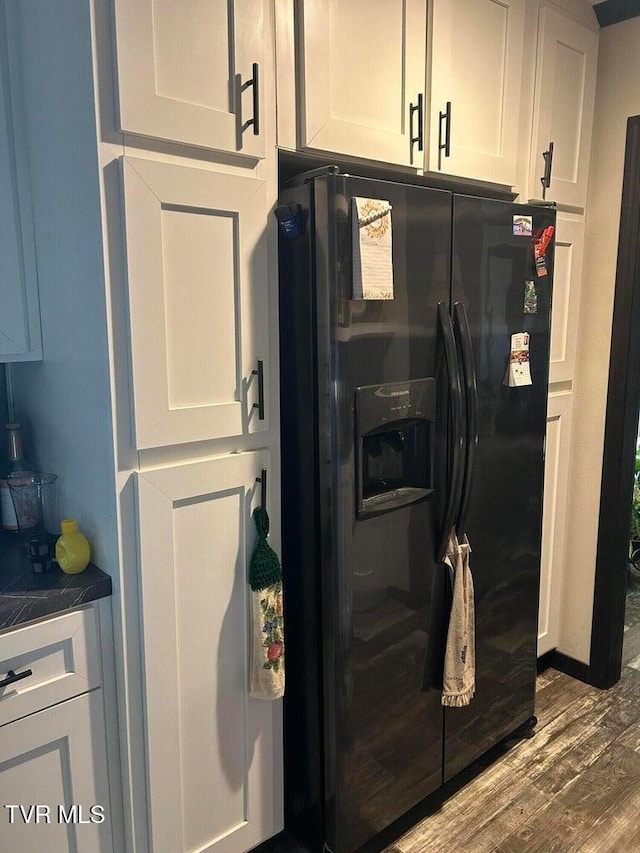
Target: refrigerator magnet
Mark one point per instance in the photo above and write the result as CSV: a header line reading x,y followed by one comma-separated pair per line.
x,y
541,244
522,226
530,298
518,371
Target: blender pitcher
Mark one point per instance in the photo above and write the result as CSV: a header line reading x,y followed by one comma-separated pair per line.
x,y
34,502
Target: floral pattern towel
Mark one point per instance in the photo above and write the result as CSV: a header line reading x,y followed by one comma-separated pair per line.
x,y
267,615
267,661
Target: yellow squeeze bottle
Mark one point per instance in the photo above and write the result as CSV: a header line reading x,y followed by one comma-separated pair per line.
x,y
72,548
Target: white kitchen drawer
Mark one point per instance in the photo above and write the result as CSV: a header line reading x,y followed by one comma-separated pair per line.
x,y
63,656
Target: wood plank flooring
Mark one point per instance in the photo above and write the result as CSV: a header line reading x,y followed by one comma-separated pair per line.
x,y
572,788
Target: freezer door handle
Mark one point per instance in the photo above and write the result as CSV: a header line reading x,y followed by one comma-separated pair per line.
x,y
462,332
456,430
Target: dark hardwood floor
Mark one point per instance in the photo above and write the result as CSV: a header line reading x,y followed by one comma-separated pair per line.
x,y
631,644
574,786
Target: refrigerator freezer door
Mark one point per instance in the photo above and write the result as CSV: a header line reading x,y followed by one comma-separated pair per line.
x,y
493,262
363,718
384,587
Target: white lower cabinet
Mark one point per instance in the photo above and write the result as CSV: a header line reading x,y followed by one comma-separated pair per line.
x,y
556,477
54,773
213,753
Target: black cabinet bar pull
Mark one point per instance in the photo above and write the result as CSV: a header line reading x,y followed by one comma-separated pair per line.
x,y
260,404
254,121
545,180
444,117
262,479
12,677
413,108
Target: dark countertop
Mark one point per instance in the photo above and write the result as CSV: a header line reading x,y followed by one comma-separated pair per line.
x,y
25,596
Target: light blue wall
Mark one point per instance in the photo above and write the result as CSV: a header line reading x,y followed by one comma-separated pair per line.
x,y
64,401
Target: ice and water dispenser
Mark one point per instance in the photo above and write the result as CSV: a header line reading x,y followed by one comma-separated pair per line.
x,y
394,445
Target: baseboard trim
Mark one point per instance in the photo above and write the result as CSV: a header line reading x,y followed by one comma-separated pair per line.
x,y
545,661
570,666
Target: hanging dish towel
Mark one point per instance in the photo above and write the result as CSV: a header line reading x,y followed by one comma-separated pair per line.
x,y
267,619
459,681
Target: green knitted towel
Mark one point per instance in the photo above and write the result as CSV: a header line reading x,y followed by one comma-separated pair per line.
x,y
264,569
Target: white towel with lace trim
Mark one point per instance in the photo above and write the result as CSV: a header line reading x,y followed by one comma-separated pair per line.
x,y
459,681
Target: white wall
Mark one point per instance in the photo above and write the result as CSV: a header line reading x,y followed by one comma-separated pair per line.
x,y
617,98
64,401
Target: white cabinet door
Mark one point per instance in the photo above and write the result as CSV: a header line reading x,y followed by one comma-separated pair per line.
x,y
211,749
363,67
563,108
198,302
554,514
476,69
54,764
20,338
183,70
567,281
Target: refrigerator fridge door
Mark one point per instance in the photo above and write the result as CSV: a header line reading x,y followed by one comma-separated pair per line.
x,y
495,284
367,491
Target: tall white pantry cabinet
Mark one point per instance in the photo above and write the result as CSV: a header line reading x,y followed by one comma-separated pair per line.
x,y
196,183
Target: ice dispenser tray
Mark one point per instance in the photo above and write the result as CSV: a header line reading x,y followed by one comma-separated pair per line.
x,y
394,445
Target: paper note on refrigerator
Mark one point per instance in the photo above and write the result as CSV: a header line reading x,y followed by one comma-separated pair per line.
x,y
518,371
372,248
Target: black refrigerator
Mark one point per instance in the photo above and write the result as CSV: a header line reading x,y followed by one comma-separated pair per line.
x,y
398,422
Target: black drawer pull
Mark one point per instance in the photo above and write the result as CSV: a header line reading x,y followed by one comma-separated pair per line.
x,y
13,677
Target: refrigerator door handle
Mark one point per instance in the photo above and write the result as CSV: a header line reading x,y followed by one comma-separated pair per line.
x,y
456,430
462,332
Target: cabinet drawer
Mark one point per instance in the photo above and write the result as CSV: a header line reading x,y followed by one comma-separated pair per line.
x,y
62,654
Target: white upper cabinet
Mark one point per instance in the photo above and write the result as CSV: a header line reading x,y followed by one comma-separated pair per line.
x,y
20,338
190,72
476,70
198,302
363,78
563,109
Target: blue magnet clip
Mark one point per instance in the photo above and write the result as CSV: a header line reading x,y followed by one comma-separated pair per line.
x,y
289,218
